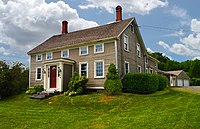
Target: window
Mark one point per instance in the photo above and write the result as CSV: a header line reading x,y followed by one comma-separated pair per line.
x,y
38,73
83,50
126,45
127,70
98,48
156,65
146,70
150,70
138,50
146,60
132,29
139,69
65,53
39,57
83,69
99,69
49,55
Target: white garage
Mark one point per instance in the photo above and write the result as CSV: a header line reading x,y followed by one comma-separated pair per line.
x,y
178,78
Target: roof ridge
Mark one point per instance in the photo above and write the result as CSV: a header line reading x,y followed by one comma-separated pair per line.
x,y
115,22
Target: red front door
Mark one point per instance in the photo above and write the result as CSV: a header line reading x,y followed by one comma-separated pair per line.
x,y
53,76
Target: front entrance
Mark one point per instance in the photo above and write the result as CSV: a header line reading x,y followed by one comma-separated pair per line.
x,y
53,76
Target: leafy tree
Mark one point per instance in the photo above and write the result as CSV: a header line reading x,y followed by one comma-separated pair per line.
x,y
194,69
113,83
13,80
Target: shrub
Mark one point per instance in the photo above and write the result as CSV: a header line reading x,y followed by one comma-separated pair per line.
x,y
140,83
35,89
76,85
195,81
163,82
113,83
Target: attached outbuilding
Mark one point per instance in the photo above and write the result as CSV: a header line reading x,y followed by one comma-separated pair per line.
x,y
178,78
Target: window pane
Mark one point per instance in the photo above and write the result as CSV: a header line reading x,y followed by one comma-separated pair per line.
x,y
49,55
83,69
125,42
84,50
99,48
99,69
126,68
65,53
39,72
39,57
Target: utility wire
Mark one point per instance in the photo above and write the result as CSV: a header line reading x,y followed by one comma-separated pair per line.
x,y
165,28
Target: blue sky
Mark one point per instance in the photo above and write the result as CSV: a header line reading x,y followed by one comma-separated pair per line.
x,y
168,26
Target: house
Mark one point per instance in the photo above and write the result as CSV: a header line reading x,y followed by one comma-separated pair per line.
x,y
178,78
152,65
89,52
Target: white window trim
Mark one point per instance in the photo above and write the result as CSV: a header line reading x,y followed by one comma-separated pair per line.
x,y
126,62
140,69
139,50
147,70
126,43
102,48
62,53
95,69
80,68
37,73
80,51
51,55
37,58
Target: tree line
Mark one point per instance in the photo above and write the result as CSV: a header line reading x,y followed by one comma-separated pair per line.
x,y
13,79
191,67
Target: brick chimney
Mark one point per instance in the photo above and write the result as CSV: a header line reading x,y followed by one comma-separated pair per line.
x,y
118,13
64,27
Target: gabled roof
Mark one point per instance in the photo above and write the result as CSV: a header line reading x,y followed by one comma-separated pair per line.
x,y
108,31
152,58
176,72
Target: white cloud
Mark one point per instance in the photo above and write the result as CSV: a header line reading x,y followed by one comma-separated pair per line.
x,y
195,25
131,6
180,13
163,44
177,34
25,23
197,57
149,50
179,49
188,46
3,51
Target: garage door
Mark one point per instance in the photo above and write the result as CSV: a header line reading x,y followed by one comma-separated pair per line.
x,y
186,83
180,82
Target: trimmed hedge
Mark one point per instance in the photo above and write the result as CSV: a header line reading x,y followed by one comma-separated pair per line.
x,y
113,83
143,83
163,82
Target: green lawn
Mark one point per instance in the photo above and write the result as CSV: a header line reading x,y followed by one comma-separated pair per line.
x,y
167,109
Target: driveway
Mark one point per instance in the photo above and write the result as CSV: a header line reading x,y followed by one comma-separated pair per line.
x,y
190,89
194,88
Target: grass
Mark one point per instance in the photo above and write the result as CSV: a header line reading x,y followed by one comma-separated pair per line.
x,y
166,109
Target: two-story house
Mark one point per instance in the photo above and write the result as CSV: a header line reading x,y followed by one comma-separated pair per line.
x,y
89,52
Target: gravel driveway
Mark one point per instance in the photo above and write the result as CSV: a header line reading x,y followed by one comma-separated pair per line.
x,y
194,88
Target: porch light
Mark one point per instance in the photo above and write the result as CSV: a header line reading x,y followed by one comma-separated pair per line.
x,y
44,71
59,71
